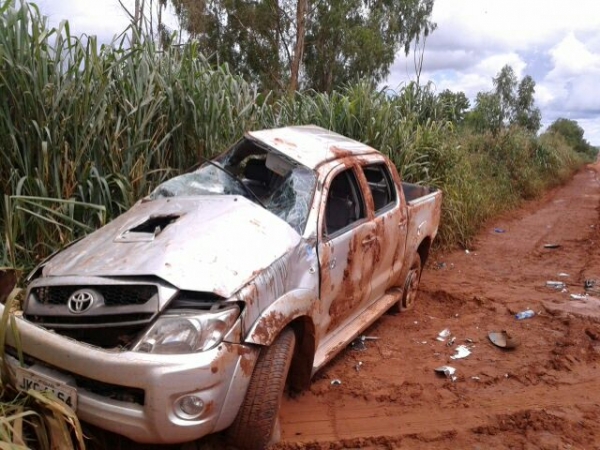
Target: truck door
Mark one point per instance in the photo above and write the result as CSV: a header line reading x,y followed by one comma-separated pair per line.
x,y
346,250
390,228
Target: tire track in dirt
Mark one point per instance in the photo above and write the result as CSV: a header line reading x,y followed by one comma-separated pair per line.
x,y
356,419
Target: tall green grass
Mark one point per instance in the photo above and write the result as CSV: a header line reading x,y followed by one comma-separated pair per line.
x,y
88,128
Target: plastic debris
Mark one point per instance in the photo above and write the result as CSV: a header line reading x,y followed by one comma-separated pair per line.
x,y
358,366
448,371
589,284
450,343
499,230
551,245
475,378
562,274
462,351
555,284
336,382
578,296
503,339
442,335
369,338
358,345
525,314
359,342
467,251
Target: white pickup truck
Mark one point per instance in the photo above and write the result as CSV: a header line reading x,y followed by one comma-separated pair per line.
x,y
195,310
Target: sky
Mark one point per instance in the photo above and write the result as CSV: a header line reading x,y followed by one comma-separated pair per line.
x,y
557,42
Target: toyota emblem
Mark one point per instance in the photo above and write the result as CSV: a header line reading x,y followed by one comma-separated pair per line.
x,y
80,301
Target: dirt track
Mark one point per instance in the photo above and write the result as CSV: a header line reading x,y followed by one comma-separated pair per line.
x,y
544,394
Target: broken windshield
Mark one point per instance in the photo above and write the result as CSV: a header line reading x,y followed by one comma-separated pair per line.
x,y
265,177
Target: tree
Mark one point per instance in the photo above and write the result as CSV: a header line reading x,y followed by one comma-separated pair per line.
x,y
505,84
573,135
526,114
487,114
510,103
319,44
454,106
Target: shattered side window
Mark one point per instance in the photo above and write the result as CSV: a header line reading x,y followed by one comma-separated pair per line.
x,y
207,180
292,199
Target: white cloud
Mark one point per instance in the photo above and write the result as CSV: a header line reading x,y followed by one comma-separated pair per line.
x,y
103,18
557,43
518,24
571,58
491,65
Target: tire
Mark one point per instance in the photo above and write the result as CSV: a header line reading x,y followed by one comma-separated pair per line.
x,y
411,285
253,427
410,288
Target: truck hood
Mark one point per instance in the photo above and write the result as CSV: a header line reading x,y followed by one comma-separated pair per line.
x,y
204,243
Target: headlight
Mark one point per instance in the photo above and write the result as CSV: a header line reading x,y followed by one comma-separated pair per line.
x,y
188,331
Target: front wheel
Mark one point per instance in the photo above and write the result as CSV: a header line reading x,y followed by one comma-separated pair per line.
x,y
253,427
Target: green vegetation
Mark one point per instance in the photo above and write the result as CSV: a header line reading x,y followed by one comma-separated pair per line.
x,y
87,129
572,133
267,42
511,103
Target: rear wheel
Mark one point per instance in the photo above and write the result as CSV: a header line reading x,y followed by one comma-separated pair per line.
x,y
411,285
253,427
410,288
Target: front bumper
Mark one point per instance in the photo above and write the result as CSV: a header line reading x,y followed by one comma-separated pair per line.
x,y
219,377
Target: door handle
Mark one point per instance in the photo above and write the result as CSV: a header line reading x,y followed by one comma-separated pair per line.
x,y
368,240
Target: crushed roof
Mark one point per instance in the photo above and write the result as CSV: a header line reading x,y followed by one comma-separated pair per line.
x,y
310,145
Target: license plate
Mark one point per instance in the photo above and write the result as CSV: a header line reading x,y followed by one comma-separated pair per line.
x,y
26,380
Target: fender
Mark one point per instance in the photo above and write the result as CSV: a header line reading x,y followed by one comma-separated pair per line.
x,y
290,306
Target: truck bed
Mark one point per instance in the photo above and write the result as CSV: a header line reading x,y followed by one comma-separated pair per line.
x,y
414,192
424,205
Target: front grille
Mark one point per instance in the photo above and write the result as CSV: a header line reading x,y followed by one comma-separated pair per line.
x,y
120,313
114,295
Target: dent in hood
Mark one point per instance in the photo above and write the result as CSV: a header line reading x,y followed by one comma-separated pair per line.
x,y
212,244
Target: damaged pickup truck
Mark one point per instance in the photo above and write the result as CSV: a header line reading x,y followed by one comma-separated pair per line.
x,y
192,312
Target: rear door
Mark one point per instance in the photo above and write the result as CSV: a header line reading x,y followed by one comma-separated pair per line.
x,y
390,221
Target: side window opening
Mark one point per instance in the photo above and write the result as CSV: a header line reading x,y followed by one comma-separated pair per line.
x,y
345,204
381,186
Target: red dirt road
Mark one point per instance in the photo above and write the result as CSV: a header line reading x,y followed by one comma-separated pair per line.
x,y
545,394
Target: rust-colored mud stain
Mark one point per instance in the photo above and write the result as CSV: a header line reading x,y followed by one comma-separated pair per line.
x,y
270,326
248,359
